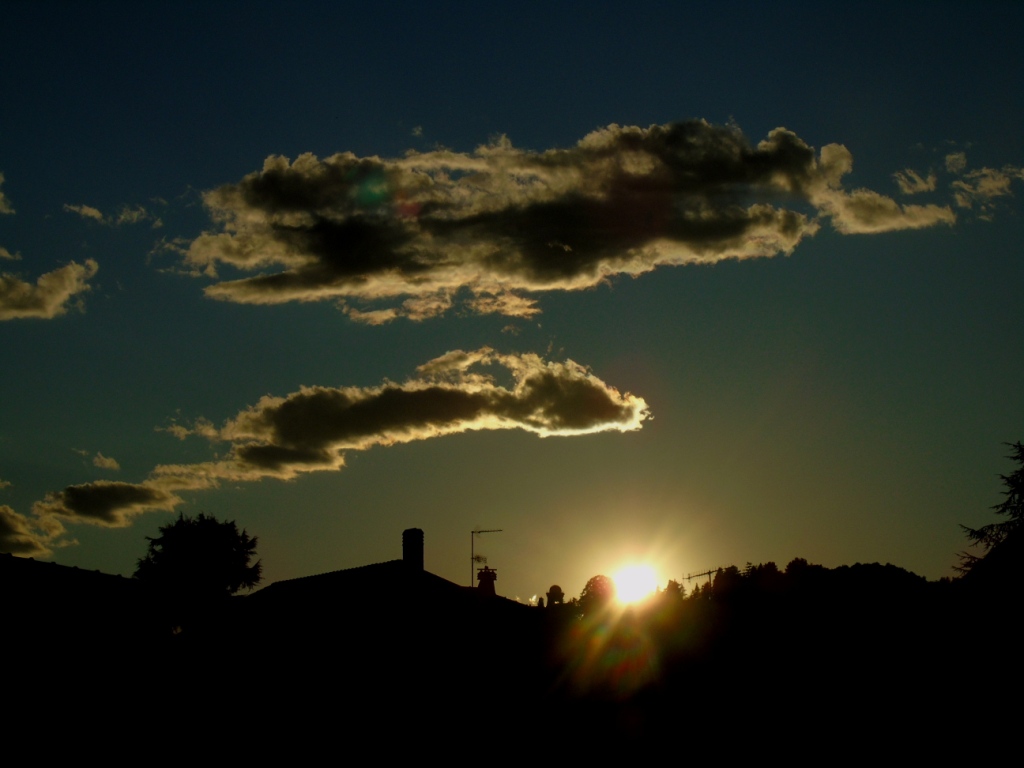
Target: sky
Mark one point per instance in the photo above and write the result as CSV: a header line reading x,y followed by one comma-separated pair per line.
x,y
694,286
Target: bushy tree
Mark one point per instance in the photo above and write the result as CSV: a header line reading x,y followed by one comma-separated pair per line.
x,y
1012,508
200,558
597,595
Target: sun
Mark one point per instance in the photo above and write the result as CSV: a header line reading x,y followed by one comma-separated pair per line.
x,y
634,583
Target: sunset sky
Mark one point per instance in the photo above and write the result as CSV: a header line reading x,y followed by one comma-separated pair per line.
x,y
692,287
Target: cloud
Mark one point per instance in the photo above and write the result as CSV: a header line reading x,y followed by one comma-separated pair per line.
x,y
501,223
911,183
127,215
103,502
981,186
29,536
136,215
105,462
865,212
201,426
50,295
312,429
8,256
18,535
5,204
85,211
956,162
509,304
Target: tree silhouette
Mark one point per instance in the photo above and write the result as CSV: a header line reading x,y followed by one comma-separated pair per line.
x,y
674,590
596,595
989,536
200,558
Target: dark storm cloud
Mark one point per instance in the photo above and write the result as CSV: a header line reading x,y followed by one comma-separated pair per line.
x,y
50,295
501,222
310,430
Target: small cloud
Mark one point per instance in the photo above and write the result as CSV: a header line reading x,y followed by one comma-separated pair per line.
x,y
5,204
508,304
136,215
5,484
417,131
177,430
372,317
51,294
978,189
127,215
956,162
85,211
865,212
911,183
105,462
6,255
131,215
201,427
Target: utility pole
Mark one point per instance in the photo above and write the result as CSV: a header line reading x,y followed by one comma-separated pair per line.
x,y
472,550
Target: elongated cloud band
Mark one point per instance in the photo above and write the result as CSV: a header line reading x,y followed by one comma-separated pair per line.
x,y
50,295
502,222
310,430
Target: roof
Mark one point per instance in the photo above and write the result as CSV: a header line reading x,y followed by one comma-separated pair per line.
x,y
367,583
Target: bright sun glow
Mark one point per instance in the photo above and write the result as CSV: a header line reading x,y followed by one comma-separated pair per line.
x,y
634,582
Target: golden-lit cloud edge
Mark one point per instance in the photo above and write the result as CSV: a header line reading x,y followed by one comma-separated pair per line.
x,y
311,430
51,295
400,237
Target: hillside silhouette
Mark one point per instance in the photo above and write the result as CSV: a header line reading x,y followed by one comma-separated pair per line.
x,y
760,659
804,653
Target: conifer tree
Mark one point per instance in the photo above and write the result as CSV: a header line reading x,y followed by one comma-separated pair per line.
x,y
1012,508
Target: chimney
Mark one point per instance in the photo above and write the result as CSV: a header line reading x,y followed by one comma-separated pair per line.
x,y
412,548
487,577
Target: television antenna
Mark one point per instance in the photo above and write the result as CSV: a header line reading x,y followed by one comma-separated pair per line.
x,y
473,557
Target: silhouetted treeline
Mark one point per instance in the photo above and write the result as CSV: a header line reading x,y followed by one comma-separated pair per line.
x,y
804,653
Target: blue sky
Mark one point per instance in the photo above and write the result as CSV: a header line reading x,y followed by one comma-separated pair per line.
x,y
840,393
